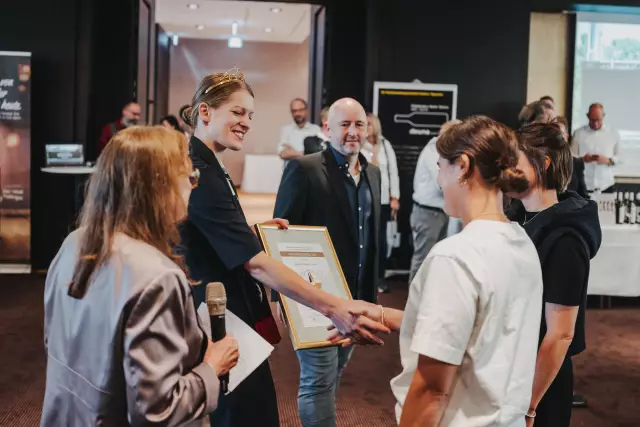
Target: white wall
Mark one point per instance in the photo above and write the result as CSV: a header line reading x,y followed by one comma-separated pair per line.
x,y
277,73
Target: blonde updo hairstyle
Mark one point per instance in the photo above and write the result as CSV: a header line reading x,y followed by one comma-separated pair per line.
x,y
214,90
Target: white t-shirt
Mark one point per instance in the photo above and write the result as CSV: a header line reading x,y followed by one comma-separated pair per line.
x,y
476,302
604,141
426,190
294,135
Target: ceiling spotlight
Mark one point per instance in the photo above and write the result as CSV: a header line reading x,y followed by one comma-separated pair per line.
x,y
193,6
235,42
267,30
276,9
200,27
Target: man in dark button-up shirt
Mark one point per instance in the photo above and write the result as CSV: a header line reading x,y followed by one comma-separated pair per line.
x,y
359,195
339,190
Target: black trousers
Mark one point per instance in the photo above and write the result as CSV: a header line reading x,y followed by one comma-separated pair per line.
x,y
554,409
385,216
253,403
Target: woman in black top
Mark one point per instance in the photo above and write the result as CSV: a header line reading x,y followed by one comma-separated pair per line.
x,y
566,231
220,246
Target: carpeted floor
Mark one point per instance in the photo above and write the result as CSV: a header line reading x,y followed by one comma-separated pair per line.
x,y
608,374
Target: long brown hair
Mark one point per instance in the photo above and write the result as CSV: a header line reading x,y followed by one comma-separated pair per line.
x,y
492,149
214,90
135,190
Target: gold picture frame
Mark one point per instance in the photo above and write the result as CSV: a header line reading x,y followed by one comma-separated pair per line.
x,y
309,251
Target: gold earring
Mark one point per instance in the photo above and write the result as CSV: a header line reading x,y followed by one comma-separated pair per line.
x,y
462,182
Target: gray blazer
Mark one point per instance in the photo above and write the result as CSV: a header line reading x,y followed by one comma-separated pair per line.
x,y
130,352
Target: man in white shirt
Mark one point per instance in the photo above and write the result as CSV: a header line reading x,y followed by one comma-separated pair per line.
x,y
598,145
429,223
291,144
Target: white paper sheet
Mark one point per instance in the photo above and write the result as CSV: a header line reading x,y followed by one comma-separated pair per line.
x,y
252,347
307,259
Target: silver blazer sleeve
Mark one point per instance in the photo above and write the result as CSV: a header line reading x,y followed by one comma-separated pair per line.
x,y
161,390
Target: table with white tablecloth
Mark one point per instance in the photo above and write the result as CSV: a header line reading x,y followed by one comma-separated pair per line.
x,y
262,173
615,271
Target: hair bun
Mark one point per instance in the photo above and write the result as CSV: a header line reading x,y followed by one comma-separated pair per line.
x,y
186,116
512,180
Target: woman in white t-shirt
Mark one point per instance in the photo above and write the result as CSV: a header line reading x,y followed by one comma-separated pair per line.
x,y
469,332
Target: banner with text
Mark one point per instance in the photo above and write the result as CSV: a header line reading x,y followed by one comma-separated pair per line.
x,y
411,115
15,157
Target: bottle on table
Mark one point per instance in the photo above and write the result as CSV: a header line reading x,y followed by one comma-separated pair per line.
x,y
637,208
632,208
620,208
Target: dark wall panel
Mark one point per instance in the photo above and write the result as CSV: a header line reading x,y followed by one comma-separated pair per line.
x,y
482,49
162,77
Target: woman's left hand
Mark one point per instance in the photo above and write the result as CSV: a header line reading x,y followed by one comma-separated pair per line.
x,y
529,421
283,224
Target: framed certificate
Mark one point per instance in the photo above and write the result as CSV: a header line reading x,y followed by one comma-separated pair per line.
x,y
309,252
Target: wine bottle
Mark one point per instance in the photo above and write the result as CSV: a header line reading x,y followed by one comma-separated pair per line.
x,y
638,208
627,208
632,208
619,208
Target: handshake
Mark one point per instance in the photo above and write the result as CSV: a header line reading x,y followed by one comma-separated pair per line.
x,y
354,322
357,322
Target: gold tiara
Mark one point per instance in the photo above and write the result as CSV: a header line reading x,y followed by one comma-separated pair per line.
x,y
234,75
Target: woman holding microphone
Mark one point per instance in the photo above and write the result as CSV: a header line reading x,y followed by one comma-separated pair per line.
x,y
220,246
121,333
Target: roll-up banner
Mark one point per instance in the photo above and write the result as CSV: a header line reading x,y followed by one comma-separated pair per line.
x,y
411,114
15,161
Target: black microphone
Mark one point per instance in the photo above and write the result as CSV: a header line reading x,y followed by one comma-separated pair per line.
x,y
217,303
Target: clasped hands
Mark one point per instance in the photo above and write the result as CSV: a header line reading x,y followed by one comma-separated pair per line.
x,y
596,158
358,324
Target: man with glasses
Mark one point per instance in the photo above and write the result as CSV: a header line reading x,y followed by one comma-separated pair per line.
x,y
291,144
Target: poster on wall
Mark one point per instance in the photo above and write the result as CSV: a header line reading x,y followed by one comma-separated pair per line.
x,y
411,114
15,158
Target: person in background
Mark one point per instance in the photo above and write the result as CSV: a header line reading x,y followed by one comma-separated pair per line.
x,y
598,145
319,142
291,144
536,112
565,229
468,332
429,223
121,333
577,182
220,246
170,122
340,190
379,151
549,101
130,117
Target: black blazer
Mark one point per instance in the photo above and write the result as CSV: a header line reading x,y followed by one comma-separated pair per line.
x,y
312,192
